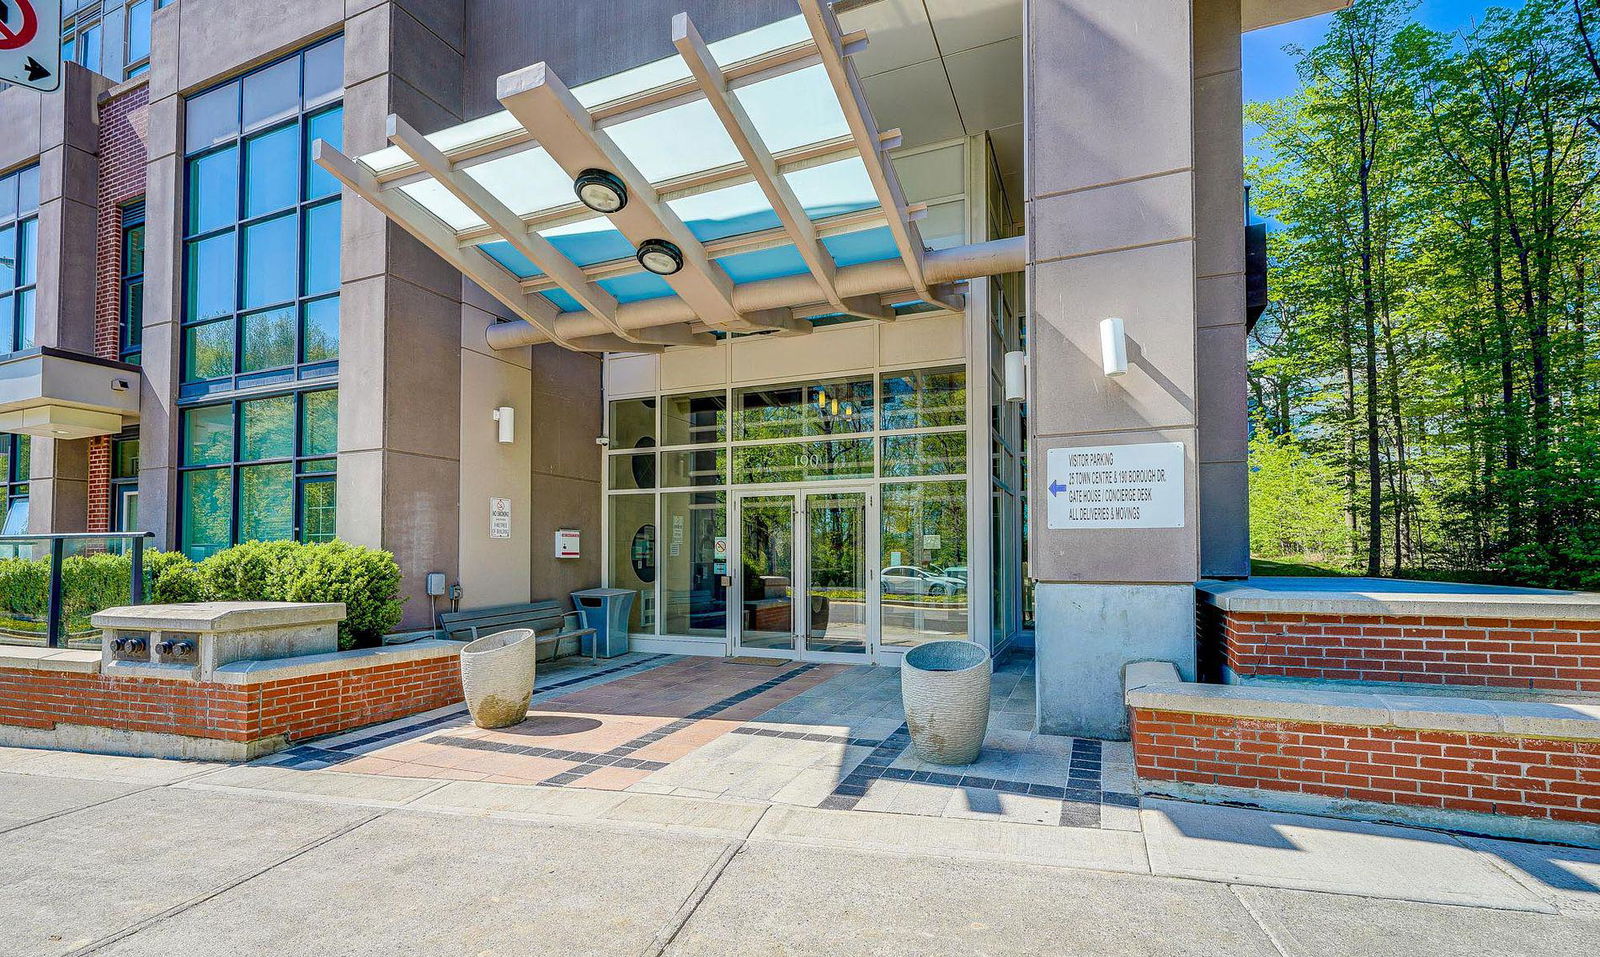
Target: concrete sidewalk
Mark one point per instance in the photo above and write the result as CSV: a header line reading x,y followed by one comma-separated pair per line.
x,y
123,856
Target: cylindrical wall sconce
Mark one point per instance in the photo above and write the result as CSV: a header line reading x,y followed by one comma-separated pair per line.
x,y
1113,347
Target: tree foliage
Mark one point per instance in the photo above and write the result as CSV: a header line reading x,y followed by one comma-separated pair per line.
x,y
1428,343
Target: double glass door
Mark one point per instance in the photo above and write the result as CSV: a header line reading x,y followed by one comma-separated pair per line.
x,y
805,574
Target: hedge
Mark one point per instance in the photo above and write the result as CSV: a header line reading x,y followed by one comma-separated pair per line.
x,y
365,579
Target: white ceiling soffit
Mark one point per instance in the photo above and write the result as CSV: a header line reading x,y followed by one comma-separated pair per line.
x,y
757,157
1257,14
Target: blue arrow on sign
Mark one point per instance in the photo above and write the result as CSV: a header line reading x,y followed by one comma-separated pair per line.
x,y
1056,488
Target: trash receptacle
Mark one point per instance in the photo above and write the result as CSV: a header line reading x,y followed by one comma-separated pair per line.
x,y
605,610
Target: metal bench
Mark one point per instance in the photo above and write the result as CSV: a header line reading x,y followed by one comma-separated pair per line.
x,y
551,624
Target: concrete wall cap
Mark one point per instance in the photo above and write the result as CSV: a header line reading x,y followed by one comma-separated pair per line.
x,y
50,659
220,615
261,672
1138,674
1370,596
1466,715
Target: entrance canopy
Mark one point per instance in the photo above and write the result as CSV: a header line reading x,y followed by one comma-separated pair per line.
x,y
756,191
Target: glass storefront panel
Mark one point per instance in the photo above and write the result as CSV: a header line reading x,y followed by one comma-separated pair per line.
x,y
925,453
633,556
693,562
694,467
633,472
633,425
696,419
814,461
766,557
836,580
828,407
925,398
924,548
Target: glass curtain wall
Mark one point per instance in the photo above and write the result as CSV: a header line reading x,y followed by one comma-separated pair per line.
x,y
19,257
261,306
674,459
111,37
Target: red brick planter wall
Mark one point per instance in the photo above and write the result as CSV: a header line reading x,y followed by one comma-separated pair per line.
x,y
297,708
1555,780
1479,652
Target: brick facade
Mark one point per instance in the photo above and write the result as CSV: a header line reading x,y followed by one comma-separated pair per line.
x,y
124,128
296,708
1548,779
1439,650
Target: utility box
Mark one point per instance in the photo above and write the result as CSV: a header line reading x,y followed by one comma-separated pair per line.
x,y
606,610
190,642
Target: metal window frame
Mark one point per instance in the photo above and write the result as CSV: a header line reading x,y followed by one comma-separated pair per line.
x,y
298,369
300,476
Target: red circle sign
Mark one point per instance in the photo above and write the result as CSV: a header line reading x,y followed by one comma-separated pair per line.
x,y
14,38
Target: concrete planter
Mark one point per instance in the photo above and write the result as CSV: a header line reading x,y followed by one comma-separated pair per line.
x,y
497,675
944,686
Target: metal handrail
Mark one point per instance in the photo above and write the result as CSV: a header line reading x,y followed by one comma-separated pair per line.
x,y
58,549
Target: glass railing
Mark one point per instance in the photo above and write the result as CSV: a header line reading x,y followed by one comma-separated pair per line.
x,y
50,585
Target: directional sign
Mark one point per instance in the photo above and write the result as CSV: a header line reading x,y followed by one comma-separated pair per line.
x,y
30,43
1116,486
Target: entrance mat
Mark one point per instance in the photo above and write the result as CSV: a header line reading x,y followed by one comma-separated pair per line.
x,y
753,660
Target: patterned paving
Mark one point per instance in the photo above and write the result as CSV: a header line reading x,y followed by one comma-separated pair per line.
x,y
830,736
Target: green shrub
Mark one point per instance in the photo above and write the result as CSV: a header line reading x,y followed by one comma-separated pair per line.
x,y
365,579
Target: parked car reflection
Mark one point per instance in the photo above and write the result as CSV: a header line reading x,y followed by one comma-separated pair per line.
x,y
910,580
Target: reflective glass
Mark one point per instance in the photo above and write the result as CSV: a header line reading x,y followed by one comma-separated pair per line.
x,y
634,471
25,300
28,191
328,126
8,314
320,336
836,579
694,467
207,512
266,502
211,277
8,195
28,252
319,510
208,351
268,428
925,453
694,558
633,424
766,572
925,398
270,254
272,94
825,407
272,171
791,462
208,435
211,117
319,422
268,339
924,549
633,556
213,190
695,419
324,72
8,257
322,249
139,30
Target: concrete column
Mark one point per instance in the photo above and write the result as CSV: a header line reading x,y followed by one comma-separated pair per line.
x,y
1219,253
69,145
400,358
1111,232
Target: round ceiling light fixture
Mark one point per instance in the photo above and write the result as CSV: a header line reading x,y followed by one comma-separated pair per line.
x,y
601,191
660,257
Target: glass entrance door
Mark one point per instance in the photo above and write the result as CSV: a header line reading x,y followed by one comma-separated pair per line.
x,y
805,567
765,576
839,611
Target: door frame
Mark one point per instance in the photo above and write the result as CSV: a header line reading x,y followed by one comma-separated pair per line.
x,y
800,581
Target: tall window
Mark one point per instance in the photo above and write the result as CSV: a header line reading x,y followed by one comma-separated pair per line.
x,y
259,469
125,483
19,257
14,468
261,257
261,306
131,337
108,36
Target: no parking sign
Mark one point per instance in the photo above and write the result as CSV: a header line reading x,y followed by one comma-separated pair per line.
x,y
30,43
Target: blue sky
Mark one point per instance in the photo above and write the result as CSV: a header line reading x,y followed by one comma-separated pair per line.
x,y
1269,72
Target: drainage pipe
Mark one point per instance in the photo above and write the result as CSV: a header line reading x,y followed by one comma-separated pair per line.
x,y
868,279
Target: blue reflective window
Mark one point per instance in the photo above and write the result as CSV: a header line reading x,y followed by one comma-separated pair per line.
x,y
213,190
270,252
19,257
322,249
272,171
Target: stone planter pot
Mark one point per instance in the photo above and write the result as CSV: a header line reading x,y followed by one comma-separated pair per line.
x,y
497,675
944,686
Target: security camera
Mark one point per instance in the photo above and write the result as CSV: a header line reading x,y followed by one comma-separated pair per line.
x,y
603,441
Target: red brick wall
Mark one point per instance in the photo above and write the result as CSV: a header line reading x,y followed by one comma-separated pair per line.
x,y
298,708
124,127
1480,652
1525,777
